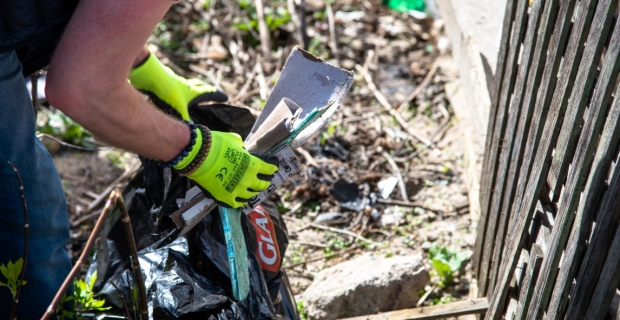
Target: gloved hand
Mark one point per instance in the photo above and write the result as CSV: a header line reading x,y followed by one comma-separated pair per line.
x,y
177,92
229,174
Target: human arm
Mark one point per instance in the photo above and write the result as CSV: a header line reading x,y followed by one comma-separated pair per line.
x,y
87,78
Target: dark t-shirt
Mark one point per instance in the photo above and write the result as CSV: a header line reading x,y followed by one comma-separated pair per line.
x,y
32,28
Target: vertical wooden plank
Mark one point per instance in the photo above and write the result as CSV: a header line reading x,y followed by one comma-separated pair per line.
x,y
596,181
538,94
533,47
533,267
565,147
610,277
584,153
498,132
543,154
511,8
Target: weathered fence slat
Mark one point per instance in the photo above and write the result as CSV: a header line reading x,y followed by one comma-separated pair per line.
x,y
507,86
495,232
541,162
572,120
533,267
610,277
494,88
542,101
592,191
597,37
544,86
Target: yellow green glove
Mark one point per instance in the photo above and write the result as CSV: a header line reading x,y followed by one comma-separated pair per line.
x,y
162,84
229,174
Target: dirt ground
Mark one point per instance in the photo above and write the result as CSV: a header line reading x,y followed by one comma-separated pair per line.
x,y
363,147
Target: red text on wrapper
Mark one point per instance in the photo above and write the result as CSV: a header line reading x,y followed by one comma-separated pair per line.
x,y
267,249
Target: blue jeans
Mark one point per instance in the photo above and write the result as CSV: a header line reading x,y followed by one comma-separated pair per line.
x,y
48,263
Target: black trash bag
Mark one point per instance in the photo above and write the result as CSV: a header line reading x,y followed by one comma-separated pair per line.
x,y
207,245
188,279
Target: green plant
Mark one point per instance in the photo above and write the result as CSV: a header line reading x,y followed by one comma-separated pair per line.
x,y
302,310
82,298
57,124
275,17
83,293
442,300
11,272
334,243
446,262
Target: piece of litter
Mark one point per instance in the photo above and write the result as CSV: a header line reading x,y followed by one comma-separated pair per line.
x,y
387,186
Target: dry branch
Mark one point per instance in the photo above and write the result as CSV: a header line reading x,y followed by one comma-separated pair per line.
x,y
26,228
383,101
263,30
114,200
336,230
424,84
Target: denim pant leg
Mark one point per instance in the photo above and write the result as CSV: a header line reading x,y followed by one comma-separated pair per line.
x,y
48,263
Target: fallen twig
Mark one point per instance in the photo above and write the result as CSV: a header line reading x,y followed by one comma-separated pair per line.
x,y
260,79
336,230
418,89
404,204
383,101
122,299
423,298
212,78
245,87
26,228
129,171
309,158
401,182
64,144
323,257
312,244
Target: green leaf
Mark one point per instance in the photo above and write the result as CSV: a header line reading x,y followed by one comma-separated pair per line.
x,y
5,271
441,267
91,282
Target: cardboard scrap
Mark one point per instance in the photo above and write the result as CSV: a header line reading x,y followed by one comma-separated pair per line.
x,y
307,93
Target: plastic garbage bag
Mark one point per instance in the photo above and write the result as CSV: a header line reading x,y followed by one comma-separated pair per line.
x,y
189,277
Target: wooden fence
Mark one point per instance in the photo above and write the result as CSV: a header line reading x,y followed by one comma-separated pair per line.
x,y
548,243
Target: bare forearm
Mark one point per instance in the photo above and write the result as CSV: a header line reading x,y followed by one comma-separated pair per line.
x,y
87,78
125,119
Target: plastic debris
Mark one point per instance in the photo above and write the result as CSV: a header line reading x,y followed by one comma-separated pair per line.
x,y
387,186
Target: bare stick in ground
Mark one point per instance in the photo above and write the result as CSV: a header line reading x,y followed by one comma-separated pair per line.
x,y
107,209
26,228
114,200
263,30
332,32
120,294
134,256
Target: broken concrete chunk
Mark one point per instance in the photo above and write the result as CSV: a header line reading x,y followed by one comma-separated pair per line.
x,y
366,285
